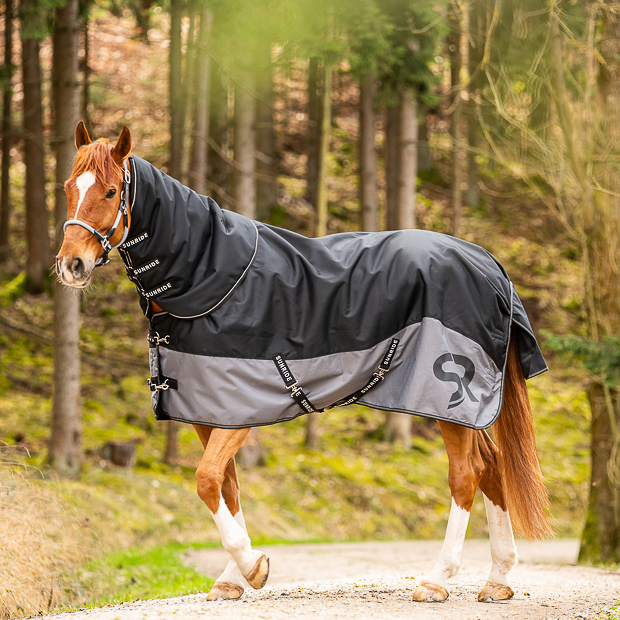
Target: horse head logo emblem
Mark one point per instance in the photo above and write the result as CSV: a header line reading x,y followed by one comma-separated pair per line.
x,y
462,383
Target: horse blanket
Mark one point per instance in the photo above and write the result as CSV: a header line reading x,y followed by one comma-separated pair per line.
x,y
260,325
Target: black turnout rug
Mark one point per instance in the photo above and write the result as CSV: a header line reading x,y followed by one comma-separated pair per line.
x,y
260,325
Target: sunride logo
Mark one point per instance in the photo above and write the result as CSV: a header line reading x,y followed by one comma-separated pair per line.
x,y
135,240
144,268
158,290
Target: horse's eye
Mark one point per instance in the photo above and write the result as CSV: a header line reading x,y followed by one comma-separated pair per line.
x,y
111,193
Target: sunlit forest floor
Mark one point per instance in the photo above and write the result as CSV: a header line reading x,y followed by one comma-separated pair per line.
x,y
356,486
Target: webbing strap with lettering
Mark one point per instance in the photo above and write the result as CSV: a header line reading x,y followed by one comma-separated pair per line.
x,y
304,402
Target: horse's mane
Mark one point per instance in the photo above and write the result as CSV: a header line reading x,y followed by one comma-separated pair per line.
x,y
97,158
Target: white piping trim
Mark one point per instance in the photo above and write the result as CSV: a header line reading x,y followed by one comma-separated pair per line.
x,y
523,327
230,292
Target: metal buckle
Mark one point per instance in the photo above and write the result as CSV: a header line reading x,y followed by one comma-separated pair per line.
x,y
157,339
294,388
158,386
380,373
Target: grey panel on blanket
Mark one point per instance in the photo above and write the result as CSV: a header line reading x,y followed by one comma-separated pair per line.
x,y
229,392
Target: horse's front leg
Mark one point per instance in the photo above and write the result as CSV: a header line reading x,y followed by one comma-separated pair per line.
x,y
218,487
466,469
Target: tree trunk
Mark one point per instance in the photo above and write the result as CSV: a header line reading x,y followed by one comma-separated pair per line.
x,y
326,122
454,46
407,158
143,19
190,78
7,134
314,129
245,148
197,174
600,541
171,453
65,445
176,90
85,98
267,196
392,133
398,428
425,157
37,225
474,58
311,439
368,155
217,167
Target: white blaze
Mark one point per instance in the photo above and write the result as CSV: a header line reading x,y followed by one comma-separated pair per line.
x,y
83,183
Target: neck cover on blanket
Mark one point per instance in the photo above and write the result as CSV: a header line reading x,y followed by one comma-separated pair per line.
x,y
236,294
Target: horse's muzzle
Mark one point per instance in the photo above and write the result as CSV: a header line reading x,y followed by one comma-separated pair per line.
x,y
74,271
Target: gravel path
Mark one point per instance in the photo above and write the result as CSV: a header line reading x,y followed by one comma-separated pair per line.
x,y
377,580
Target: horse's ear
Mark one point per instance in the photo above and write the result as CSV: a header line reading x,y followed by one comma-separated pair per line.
x,y
122,148
81,135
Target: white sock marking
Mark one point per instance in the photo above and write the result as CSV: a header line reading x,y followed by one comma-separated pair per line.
x,y
449,559
83,183
235,539
231,573
503,550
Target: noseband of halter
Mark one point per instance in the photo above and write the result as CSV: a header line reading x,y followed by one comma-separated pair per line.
x,y
104,240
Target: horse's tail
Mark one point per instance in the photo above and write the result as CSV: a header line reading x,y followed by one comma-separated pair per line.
x,y
524,485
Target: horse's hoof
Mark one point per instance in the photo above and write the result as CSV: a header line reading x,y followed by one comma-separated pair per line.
x,y
495,592
257,577
224,591
428,592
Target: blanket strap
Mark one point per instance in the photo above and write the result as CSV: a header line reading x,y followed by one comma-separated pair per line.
x,y
159,382
304,402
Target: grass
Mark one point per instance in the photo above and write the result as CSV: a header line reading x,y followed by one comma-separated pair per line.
x,y
158,572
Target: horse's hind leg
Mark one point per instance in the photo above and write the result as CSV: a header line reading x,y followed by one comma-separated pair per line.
x,y
466,469
503,550
218,487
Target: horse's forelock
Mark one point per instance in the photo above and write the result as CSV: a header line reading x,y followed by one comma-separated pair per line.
x,y
97,158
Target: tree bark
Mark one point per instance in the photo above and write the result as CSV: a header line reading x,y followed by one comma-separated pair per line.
x,y
217,167
197,174
454,46
326,122
368,155
171,454
7,134
314,129
398,428
392,134
311,439
37,219
474,58
176,90
245,148
600,541
65,444
407,158
190,78
267,196
85,95
425,157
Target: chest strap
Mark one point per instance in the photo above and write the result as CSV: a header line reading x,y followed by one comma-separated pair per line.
x,y
299,396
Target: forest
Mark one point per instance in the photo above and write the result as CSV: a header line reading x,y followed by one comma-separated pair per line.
x,y
495,121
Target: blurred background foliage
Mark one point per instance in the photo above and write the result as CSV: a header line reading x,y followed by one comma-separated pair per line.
x,y
494,121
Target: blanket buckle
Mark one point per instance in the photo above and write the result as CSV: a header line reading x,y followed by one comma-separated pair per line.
x,y
158,386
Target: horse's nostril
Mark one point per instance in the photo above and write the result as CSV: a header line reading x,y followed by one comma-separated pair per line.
x,y
77,267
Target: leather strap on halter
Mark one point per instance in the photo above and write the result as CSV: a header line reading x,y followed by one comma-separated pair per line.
x,y
104,240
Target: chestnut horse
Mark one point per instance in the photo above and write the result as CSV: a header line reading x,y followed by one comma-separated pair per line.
x,y
508,474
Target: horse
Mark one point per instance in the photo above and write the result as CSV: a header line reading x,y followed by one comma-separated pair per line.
x,y
102,214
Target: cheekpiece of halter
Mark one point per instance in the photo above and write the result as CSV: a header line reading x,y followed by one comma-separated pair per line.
x,y
122,213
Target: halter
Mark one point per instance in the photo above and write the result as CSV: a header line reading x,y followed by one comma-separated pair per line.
x,y
104,240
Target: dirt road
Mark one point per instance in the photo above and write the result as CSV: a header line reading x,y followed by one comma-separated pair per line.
x,y
377,580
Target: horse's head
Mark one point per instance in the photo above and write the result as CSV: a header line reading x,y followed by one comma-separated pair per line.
x,y
98,217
